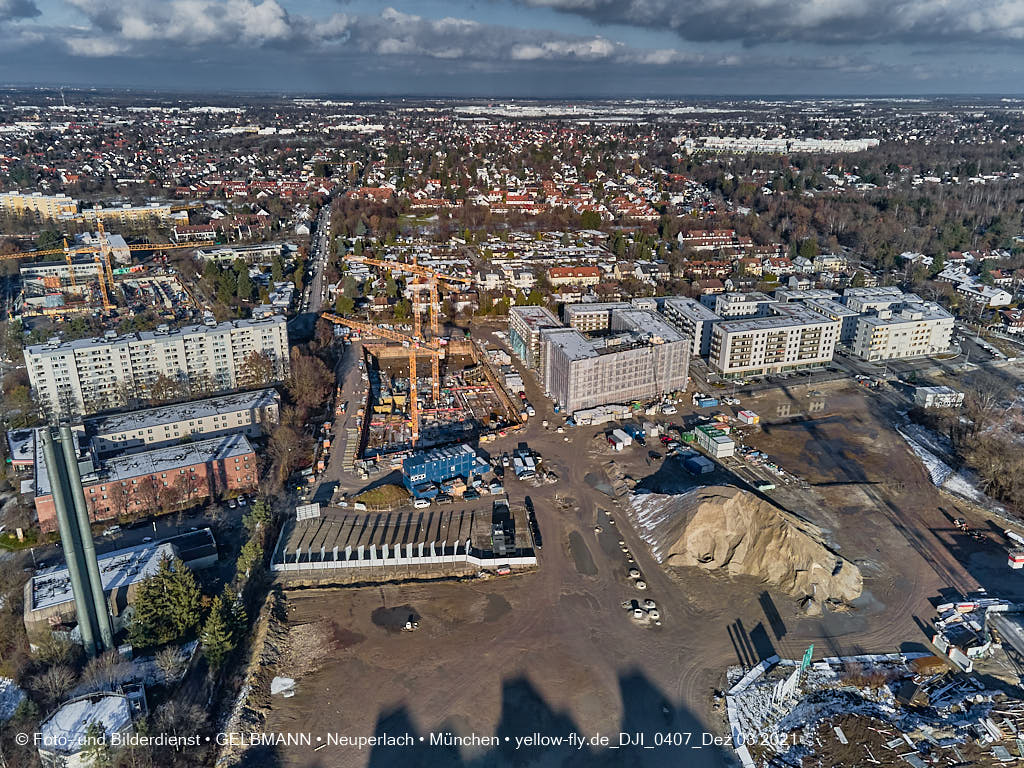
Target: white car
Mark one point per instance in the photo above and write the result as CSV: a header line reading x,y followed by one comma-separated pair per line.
x,y
421,503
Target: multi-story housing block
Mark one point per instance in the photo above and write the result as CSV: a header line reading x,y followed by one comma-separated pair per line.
x,y
88,375
794,338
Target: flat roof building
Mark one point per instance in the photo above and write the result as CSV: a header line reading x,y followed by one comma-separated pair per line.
x,y
191,472
592,317
64,735
643,359
48,593
37,205
794,338
866,299
524,327
87,375
694,320
423,472
910,329
249,413
833,310
737,304
786,295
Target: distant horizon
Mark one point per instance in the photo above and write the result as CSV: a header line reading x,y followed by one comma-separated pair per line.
x,y
391,96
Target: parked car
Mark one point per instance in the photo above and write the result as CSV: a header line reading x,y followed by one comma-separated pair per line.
x,y
421,503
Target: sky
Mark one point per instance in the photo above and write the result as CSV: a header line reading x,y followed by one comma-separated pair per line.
x,y
519,48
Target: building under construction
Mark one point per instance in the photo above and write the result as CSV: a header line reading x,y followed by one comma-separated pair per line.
x,y
640,357
470,400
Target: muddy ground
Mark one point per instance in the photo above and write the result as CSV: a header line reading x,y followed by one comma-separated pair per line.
x,y
554,651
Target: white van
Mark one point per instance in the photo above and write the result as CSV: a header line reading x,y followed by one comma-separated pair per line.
x,y
421,503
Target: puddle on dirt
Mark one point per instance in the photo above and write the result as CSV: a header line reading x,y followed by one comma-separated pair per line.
x,y
497,606
581,555
346,638
394,619
598,483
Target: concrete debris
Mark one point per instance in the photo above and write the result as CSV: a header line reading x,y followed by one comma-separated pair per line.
x,y
282,685
726,528
782,716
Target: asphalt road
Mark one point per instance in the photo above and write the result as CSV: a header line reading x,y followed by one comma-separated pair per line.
x,y
311,300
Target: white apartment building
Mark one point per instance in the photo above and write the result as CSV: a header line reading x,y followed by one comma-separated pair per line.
x,y
738,304
524,326
693,320
871,299
910,329
88,375
792,339
833,310
592,317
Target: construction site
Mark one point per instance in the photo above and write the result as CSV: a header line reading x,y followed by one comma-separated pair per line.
x,y
469,402
95,274
462,401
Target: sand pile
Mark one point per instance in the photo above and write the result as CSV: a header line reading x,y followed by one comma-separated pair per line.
x,y
725,528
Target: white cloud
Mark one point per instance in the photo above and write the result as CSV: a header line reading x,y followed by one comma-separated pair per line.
x,y
93,46
186,22
597,48
135,27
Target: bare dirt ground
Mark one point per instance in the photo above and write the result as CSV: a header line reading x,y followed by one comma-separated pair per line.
x,y
554,651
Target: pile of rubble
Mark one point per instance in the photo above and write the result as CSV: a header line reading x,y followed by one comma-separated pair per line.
x,y
917,710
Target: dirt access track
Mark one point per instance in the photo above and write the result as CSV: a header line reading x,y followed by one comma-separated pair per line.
x,y
554,652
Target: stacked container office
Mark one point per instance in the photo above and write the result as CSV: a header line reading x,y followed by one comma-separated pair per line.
x,y
715,442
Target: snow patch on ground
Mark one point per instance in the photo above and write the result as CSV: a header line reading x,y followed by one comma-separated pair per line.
x,y
924,443
938,470
10,697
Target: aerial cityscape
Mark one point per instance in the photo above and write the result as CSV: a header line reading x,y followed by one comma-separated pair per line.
x,y
519,384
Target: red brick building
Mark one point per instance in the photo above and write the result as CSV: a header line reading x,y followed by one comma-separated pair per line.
x,y
138,483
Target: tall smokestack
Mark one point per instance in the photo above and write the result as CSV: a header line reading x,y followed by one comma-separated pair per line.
x,y
92,566
69,537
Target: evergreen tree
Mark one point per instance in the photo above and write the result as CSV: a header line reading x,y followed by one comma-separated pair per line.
x,y
217,636
277,268
245,286
167,605
96,752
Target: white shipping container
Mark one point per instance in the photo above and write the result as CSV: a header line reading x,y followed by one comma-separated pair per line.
x,y
623,436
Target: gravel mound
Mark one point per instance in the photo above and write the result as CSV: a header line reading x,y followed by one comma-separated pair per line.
x,y
724,528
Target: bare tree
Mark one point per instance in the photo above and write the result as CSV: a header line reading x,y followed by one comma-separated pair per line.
x,y
147,494
106,670
258,370
169,661
55,682
119,499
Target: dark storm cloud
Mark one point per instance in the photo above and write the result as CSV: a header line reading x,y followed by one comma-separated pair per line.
x,y
815,21
17,9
